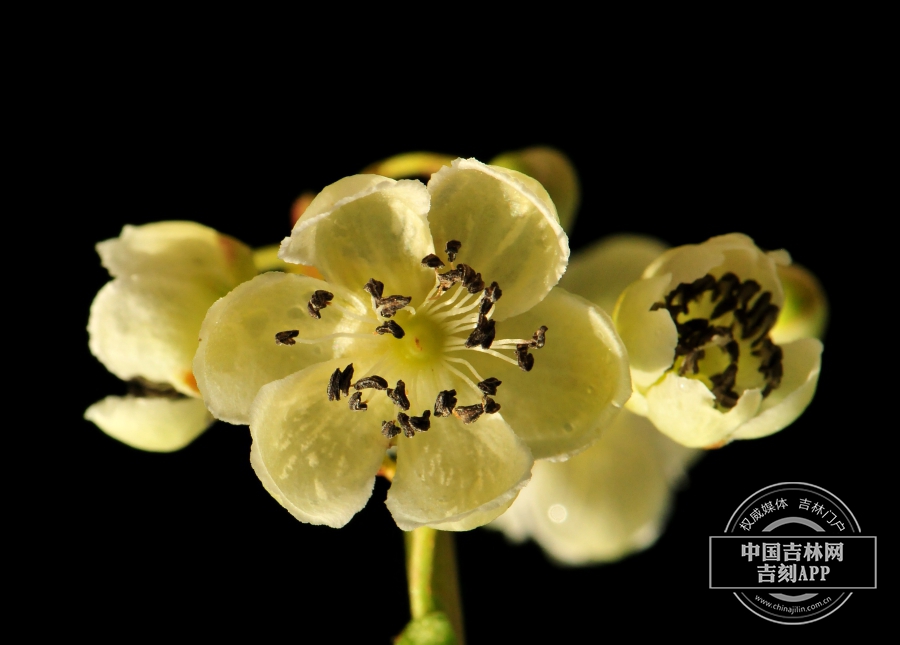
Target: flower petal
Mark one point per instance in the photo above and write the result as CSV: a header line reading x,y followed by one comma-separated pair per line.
x,y
508,227
317,457
238,354
734,252
602,271
458,476
650,336
154,424
802,362
145,326
184,250
364,227
579,381
683,408
605,503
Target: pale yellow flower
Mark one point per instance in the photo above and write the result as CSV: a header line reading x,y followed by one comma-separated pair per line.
x,y
372,239
143,327
697,327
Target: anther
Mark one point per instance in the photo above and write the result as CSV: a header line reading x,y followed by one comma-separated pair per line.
x,y
374,288
319,300
431,261
452,249
490,385
390,327
483,334
398,395
448,279
389,429
346,377
723,387
444,403
468,413
334,386
490,405
287,337
374,382
422,423
725,286
391,305
538,337
493,292
408,428
356,403
525,360
466,274
476,284
486,306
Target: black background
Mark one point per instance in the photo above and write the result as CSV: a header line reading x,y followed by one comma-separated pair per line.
x,y
192,541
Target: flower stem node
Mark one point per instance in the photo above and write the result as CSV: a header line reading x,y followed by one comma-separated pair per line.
x,y
439,340
704,366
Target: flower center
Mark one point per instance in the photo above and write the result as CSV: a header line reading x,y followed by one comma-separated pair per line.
x,y
723,336
456,317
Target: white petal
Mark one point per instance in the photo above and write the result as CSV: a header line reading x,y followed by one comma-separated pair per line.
x,y
146,326
606,502
184,250
155,424
650,336
580,378
458,476
365,227
602,271
508,228
682,408
802,362
316,457
237,353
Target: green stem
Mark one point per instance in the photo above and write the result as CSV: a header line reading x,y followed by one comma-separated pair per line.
x,y
419,569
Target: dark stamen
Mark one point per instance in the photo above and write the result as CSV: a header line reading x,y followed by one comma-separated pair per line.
x,y
538,337
483,334
374,381
444,403
476,284
389,429
346,377
356,403
468,413
452,249
725,286
312,311
374,288
431,261
448,279
391,305
398,395
408,428
525,360
490,406
287,337
319,300
493,292
486,306
723,387
390,327
334,386
490,385
422,423
466,274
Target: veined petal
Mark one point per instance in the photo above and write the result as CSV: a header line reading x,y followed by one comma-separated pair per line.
x,y
457,476
580,378
802,362
184,250
734,252
364,227
602,271
156,424
238,354
145,326
606,502
508,227
683,409
650,336
317,457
